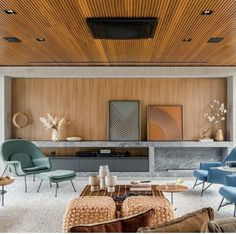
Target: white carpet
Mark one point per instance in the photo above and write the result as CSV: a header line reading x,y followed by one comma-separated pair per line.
x,y
42,212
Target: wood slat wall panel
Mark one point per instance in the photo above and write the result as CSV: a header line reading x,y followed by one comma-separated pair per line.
x,y
85,102
69,42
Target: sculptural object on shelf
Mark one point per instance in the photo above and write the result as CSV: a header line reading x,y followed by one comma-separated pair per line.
x,y
204,136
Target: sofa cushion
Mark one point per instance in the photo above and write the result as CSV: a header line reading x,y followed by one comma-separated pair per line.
x,y
191,222
201,174
129,224
24,159
221,225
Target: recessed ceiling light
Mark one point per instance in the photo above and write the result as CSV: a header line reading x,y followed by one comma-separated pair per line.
x,y
12,39
207,12
187,39
215,39
40,39
9,11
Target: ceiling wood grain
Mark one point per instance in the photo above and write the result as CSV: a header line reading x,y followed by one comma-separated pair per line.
x,y
69,43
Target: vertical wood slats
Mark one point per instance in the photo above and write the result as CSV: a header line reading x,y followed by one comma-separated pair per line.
x,y
85,103
68,40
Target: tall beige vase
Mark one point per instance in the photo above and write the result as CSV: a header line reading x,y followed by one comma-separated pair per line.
x,y
219,135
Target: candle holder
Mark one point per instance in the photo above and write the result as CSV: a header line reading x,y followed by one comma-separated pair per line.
x,y
110,182
94,183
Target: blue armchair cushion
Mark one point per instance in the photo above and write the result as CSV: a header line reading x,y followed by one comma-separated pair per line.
x,y
24,158
217,176
229,193
231,180
201,174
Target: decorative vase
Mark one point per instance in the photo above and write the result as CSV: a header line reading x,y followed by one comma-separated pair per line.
x,y
56,135
103,172
219,136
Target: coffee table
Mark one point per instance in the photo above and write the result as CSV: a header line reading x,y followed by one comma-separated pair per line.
x,y
120,190
4,183
172,189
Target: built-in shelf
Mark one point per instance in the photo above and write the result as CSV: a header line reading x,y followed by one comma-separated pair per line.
x,y
164,158
166,144
92,164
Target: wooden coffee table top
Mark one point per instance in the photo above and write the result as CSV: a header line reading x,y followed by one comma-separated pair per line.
x,y
172,188
4,181
120,190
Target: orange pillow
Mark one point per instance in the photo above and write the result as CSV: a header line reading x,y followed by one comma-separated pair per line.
x,y
129,224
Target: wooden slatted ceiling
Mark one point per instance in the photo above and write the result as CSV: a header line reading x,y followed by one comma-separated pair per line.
x,y
69,42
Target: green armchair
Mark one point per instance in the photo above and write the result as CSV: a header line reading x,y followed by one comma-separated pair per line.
x,y
23,158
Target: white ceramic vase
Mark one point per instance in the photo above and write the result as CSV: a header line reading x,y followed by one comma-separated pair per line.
x,y
103,172
56,135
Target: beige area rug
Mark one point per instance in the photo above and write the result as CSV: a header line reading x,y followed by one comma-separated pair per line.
x,y
42,212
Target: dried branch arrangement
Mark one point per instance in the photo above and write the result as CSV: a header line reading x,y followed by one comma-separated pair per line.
x,y
56,123
216,113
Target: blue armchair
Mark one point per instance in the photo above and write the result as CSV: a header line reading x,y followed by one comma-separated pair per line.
x,y
208,172
23,158
228,192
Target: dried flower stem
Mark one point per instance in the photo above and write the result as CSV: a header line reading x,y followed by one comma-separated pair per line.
x,y
216,113
57,123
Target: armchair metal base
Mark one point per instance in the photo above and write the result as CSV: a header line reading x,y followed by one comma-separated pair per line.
x,y
57,186
226,204
25,184
5,169
203,186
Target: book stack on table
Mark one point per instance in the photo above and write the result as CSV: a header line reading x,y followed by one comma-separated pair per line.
x,y
140,186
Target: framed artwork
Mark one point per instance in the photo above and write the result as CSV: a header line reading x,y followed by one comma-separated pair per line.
x,y
124,120
164,122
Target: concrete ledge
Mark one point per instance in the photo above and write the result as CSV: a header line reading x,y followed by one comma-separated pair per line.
x,y
166,144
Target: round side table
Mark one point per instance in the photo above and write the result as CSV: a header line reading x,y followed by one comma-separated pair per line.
x,y
3,183
172,189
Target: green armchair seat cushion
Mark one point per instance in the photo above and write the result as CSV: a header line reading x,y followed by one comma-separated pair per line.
x,y
58,175
24,158
37,168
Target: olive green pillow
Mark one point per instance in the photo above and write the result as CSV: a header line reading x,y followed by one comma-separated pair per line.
x,y
191,222
221,225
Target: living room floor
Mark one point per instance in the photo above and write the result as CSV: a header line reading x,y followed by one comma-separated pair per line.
x,y
42,212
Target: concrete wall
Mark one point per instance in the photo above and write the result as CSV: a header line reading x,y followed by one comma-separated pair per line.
x,y
112,72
